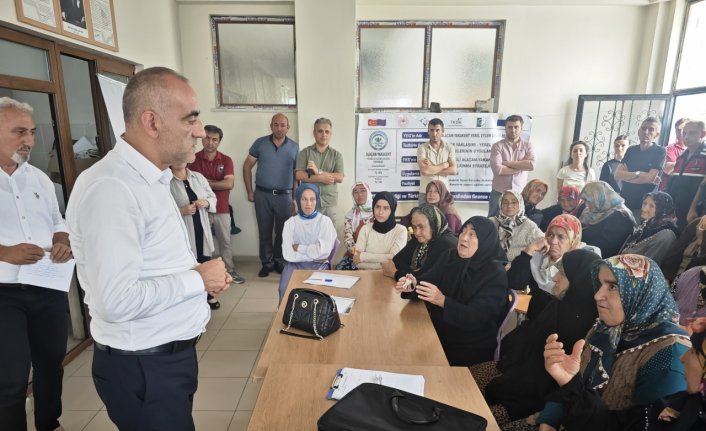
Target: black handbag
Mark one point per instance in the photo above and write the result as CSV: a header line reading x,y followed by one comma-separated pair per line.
x,y
311,311
373,407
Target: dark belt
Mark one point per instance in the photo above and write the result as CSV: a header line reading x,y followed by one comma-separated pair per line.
x,y
173,347
275,191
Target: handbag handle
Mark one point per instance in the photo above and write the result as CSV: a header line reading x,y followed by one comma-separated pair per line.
x,y
434,417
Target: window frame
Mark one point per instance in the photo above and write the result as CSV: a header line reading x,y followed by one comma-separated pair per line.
x,y
429,26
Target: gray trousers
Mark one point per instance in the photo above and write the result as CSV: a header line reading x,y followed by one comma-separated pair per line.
x,y
221,225
331,212
271,212
494,203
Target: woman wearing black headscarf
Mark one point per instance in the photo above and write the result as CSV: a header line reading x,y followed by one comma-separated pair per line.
x,y
466,293
380,240
658,231
431,237
523,383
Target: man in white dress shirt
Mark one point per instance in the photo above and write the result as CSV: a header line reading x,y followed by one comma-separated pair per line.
x,y
145,291
34,320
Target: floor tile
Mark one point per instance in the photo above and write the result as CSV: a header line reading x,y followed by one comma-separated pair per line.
x,y
241,320
100,422
79,393
206,338
86,369
240,421
212,421
219,393
76,419
234,363
252,390
262,290
238,339
257,305
78,362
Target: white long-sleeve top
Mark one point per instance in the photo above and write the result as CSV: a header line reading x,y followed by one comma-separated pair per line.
x,y
376,248
132,254
315,237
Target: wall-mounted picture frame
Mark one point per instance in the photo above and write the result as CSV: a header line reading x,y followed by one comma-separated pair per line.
x,y
90,21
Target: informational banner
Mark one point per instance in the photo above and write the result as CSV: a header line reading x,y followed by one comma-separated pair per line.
x,y
386,151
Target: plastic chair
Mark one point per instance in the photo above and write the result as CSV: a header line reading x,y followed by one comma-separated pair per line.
x,y
512,298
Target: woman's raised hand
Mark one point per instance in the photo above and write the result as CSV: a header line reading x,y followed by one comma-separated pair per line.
x,y
559,365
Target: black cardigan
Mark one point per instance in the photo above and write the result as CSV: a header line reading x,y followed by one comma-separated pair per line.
x,y
609,235
403,258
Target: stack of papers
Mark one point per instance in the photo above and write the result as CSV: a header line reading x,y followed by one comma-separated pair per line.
x,y
343,305
347,379
45,273
332,280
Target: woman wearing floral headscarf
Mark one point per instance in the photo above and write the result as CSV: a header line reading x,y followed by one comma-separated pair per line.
x,y
630,359
515,231
535,267
606,222
569,203
431,238
534,193
658,231
356,218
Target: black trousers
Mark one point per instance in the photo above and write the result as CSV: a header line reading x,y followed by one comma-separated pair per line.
x,y
34,324
151,392
271,212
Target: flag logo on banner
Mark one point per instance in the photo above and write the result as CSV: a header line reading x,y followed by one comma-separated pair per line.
x,y
378,140
377,122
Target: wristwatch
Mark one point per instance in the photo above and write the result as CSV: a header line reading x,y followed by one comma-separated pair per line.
x,y
637,173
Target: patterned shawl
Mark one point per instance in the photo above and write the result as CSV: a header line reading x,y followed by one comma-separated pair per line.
x,y
664,219
601,202
437,223
507,224
360,212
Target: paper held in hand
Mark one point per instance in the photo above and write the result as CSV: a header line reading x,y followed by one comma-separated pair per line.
x,y
347,379
45,273
332,280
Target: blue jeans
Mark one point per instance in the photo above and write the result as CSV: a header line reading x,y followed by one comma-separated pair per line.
x,y
494,203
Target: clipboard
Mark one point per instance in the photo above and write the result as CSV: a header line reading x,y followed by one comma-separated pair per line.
x,y
347,379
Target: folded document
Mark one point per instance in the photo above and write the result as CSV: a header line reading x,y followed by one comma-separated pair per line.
x,y
332,280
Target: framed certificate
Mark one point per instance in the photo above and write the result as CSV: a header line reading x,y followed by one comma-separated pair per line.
x,y
39,13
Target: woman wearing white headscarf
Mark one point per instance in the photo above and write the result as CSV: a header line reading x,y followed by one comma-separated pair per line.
x,y
515,231
356,218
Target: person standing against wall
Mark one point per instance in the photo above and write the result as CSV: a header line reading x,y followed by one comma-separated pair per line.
x,y
436,158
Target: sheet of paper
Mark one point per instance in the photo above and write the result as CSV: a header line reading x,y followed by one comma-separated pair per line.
x,y
46,273
332,280
343,305
349,378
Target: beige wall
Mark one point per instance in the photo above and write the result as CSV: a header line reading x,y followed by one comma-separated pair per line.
x,y
147,31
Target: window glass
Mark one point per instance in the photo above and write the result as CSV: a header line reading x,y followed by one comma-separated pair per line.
x,y
27,61
692,61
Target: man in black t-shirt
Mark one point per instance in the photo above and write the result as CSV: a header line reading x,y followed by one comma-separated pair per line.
x,y
641,167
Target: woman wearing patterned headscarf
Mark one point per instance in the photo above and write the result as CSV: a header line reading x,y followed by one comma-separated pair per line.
x,y
515,231
534,193
438,194
690,294
569,203
630,359
380,240
606,222
688,251
466,293
307,238
658,231
535,267
356,218
431,238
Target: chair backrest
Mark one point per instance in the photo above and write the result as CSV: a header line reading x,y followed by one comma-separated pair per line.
x,y
512,298
329,262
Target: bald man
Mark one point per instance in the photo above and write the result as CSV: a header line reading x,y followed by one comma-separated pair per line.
x,y
274,184
145,291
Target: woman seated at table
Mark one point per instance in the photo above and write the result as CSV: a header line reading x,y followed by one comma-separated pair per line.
x,y
522,383
687,252
514,229
658,231
380,240
569,203
431,238
689,290
630,359
536,267
606,222
307,238
361,213
195,200
534,193
466,293
438,194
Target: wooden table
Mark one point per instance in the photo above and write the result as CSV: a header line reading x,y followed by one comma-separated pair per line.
x,y
382,328
293,396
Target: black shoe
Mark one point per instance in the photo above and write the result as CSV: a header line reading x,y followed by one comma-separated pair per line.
x,y
213,303
265,271
279,267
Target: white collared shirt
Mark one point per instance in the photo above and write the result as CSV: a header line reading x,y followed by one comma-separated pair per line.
x,y
29,213
132,254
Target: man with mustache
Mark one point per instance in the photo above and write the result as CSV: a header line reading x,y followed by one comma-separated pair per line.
x,y
33,319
